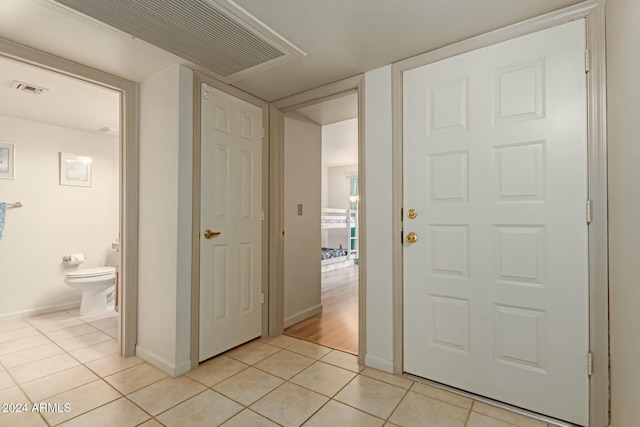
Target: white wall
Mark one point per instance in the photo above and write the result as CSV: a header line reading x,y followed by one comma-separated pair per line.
x,y
302,172
623,93
56,220
338,191
340,143
378,148
164,284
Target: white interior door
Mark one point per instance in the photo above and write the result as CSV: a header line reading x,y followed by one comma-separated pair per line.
x,y
495,165
231,211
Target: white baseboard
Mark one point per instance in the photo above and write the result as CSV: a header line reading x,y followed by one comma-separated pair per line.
x,y
303,315
41,310
164,365
379,363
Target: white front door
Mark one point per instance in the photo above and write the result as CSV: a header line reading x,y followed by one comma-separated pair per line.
x,y
231,223
495,166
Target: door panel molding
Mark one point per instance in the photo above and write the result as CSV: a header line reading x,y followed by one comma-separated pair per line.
x,y
198,79
593,12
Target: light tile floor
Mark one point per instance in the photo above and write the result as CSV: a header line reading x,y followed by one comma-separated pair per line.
x,y
62,358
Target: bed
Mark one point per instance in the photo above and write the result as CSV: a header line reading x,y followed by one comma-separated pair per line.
x,y
346,254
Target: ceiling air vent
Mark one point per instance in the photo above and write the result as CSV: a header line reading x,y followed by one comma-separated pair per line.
x,y
28,88
217,35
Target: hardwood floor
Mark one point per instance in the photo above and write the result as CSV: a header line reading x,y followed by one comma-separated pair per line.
x,y
337,325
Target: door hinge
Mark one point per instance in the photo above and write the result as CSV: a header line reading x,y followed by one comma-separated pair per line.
x,y
587,60
589,211
262,215
205,91
589,363
261,298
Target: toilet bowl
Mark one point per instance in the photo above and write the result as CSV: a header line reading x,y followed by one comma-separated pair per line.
x,y
97,286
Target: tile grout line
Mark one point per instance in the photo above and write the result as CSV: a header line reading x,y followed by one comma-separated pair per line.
x,y
473,403
314,360
170,408
329,398
387,420
51,341
23,392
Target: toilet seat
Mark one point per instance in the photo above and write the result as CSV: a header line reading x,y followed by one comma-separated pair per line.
x,y
91,272
97,286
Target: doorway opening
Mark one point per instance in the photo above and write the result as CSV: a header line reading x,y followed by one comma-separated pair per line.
x,y
113,167
321,223
63,141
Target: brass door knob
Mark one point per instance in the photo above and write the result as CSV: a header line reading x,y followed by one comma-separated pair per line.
x,y
208,234
412,214
412,237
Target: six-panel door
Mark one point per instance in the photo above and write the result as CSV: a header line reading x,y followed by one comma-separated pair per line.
x,y
231,205
495,164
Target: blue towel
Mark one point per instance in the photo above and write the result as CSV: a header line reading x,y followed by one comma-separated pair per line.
x,y
3,213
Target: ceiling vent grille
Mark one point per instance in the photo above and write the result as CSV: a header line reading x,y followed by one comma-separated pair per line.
x,y
219,35
28,88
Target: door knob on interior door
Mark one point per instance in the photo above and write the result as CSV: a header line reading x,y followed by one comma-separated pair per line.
x,y
412,237
208,234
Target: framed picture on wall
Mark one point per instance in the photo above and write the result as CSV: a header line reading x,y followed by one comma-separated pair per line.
x,y
75,170
7,160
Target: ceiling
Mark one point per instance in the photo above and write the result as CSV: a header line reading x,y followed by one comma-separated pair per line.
x,y
340,38
332,111
67,102
345,38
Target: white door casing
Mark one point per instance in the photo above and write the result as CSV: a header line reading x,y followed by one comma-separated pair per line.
x,y
231,204
495,164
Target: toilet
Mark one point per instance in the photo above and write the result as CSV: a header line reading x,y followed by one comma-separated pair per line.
x,y
97,286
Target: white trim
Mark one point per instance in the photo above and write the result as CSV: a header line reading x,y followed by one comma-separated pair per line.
x,y
302,315
164,365
549,20
129,181
599,393
396,218
593,11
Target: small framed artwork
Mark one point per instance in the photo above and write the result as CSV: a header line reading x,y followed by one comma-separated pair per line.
x,y
7,160
75,170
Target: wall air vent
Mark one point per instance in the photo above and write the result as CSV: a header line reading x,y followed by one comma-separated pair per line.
x,y
28,88
217,35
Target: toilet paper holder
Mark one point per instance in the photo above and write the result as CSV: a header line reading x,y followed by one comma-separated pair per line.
x,y
74,258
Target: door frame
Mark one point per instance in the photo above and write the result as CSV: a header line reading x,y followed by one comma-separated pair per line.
x,y
198,79
278,108
128,173
594,13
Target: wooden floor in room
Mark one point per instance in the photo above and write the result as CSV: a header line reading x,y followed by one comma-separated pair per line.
x,y
337,326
